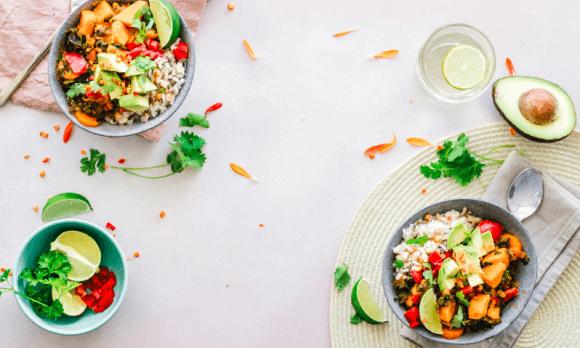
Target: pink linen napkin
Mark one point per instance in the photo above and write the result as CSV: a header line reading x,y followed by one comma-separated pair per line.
x,y
25,25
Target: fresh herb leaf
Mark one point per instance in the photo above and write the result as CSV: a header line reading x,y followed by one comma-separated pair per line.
x,y
341,276
458,318
76,89
355,319
194,119
429,276
104,89
421,240
427,265
143,63
399,263
506,275
96,161
458,162
461,297
142,26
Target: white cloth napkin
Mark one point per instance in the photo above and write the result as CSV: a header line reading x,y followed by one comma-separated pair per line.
x,y
553,229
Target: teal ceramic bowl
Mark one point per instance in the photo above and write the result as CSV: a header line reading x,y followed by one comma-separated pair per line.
x,y
111,257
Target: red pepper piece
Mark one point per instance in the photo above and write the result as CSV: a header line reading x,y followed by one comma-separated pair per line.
x,y
104,271
131,45
137,51
153,45
417,276
495,228
110,283
67,132
448,254
467,290
412,315
97,293
213,108
111,275
510,293
110,226
106,292
180,51
416,299
77,63
89,300
105,302
412,325
434,258
122,160
80,290
96,282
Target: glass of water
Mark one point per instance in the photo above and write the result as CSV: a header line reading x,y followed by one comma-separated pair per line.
x,y
429,72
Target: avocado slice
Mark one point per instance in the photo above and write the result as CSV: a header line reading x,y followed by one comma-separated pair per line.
x,y
474,280
142,84
108,61
450,267
443,280
132,71
467,259
488,243
457,235
109,77
537,109
135,103
477,242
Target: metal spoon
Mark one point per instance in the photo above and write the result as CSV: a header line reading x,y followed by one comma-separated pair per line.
x,y
525,193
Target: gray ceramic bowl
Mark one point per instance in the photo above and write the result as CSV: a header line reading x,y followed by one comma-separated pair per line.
x,y
106,129
526,275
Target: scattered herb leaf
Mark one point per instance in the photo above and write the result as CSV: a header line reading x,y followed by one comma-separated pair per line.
x,y
143,63
341,276
399,263
95,161
194,119
76,89
461,297
421,240
355,319
458,318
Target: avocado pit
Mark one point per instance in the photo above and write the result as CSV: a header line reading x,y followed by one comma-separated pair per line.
x,y
539,106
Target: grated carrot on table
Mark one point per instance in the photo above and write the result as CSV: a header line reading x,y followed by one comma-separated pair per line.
x,y
44,135
56,128
26,156
35,208
42,174
162,214
136,254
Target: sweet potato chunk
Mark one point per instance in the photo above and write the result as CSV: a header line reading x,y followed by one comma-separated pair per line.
x,y
492,274
87,22
500,255
86,120
452,333
128,14
515,244
478,306
119,33
446,313
493,313
103,11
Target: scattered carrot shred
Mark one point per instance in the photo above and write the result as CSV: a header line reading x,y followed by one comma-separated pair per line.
x,y
410,101
423,191
510,67
128,258
371,151
345,32
261,225
57,127
418,142
26,156
2,269
35,208
241,171
114,235
10,274
46,159
67,132
44,135
122,160
385,54
83,152
439,147
136,254
162,214
512,131
42,174
250,51
106,166
230,6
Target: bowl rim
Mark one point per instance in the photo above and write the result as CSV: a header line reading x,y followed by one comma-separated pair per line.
x,y
482,335
119,132
118,300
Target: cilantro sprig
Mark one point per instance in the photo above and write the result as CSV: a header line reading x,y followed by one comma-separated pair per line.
x,y
421,240
194,120
399,263
96,161
355,319
428,274
142,26
458,318
461,297
76,89
51,272
458,162
341,277
143,63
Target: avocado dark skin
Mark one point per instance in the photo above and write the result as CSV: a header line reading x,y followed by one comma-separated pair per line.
x,y
520,132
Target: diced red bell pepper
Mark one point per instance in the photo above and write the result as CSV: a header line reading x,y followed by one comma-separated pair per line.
x,y
111,275
77,63
89,93
105,302
416,299
130,45
110,226
448,254
180,51
510,293
89,300
104,271
142,50
97,294
413,324
495,228
412,315
95,283
494,301
111,282
417,276
467,290
153,45
434,258
80,290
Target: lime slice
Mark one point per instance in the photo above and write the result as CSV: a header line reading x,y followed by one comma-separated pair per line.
x,y
71,302
82,252
464,67
65,205
364,304
166,20
429,314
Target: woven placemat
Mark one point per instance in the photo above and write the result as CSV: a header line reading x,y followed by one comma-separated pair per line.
x,y
554,324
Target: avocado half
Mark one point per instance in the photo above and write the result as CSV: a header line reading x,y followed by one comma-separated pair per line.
x,y
506,94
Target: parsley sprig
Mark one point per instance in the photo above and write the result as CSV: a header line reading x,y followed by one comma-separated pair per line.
x,y
194,119
461,297
341,277
458,162
95,161
421,240
142,26
428,274
458,318
52,272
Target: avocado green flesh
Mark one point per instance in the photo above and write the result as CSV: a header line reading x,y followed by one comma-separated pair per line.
x,y
135,103
506,95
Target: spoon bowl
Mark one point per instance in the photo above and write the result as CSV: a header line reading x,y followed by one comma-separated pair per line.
x,y
525,193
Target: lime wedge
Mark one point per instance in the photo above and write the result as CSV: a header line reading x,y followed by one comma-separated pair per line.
x,y
65,205
166,20
82,252
464,67
71,302
364,304
429,314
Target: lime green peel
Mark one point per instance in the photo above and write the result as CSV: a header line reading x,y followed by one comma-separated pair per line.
x,y
64,205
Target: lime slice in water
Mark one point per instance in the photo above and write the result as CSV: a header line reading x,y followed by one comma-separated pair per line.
x,y
429,314
71,302
464,67
82,252
364,304
65,205
166,20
